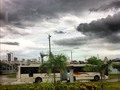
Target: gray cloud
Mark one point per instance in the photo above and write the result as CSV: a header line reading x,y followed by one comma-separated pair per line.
x,y
104,45
12,30
59,32
73,41
10,43
1,36
89,42
108,28
112,5
101,33
16,31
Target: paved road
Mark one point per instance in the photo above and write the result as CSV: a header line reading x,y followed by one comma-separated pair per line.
x,y
5,79
112,80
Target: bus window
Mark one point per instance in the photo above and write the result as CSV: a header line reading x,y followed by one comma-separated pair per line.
x,y
35,69
78,69
26,70
31,72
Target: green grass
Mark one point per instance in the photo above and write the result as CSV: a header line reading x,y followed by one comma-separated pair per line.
x,y
114,76
11,75
111,76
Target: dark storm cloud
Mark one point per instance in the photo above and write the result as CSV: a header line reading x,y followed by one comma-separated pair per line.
x,y
15,13
108,28
20,10
112,5
2,16
19,25
10,43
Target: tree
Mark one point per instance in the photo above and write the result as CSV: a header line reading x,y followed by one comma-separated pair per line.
x,y
54,63
98,65
117,66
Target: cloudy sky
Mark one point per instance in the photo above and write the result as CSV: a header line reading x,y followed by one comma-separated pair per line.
x,y
85,27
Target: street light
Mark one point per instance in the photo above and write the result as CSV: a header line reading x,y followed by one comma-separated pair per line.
x,y
71,57
71,52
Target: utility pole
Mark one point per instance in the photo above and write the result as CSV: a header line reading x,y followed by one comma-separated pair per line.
x,y
97,56
49,36
71,55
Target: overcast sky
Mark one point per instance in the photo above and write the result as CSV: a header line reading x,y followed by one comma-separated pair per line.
x,y
85,27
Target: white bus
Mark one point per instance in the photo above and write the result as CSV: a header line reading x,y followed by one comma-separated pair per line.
x,y
31,74
79,73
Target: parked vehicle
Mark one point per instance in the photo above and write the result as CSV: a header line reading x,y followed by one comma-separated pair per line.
x,y
30,73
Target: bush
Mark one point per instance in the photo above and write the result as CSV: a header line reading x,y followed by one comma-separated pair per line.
x,y
64,86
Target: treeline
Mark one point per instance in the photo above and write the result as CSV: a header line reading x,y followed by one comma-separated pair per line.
x,y
7,67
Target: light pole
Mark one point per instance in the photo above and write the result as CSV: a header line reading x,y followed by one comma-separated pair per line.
x,y
49,36
71,54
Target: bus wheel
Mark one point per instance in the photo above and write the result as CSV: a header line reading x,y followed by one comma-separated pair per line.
x,y
38,79
96,78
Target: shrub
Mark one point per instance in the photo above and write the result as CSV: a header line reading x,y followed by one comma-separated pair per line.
x,y
63,86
